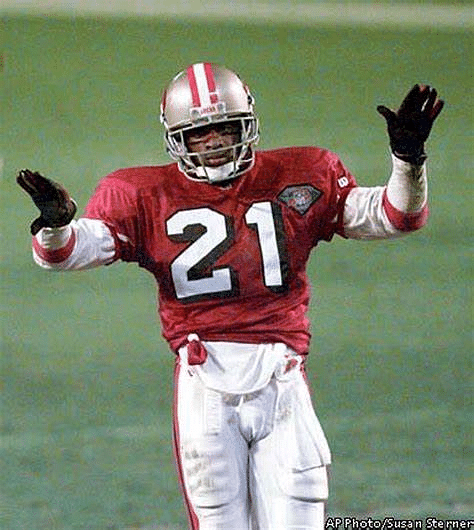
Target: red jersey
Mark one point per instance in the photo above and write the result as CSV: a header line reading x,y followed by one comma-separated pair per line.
x,y
229,261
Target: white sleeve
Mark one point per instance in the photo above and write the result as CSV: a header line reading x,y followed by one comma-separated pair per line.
x,y
365,217
83,244
407,188
391,211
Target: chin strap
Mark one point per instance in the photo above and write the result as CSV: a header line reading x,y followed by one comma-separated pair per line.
x,y
217,174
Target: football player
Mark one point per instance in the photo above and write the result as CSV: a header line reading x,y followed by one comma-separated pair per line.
x,y
227,230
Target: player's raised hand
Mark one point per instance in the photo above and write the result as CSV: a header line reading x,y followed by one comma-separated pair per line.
x,y
53,201
409,126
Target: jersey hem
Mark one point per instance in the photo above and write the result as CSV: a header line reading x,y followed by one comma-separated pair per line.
x,y
298,345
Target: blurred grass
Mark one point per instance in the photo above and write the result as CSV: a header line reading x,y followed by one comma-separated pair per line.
x,y
86,378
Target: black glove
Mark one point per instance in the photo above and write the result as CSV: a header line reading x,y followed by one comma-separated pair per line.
x,y
409,127
56,206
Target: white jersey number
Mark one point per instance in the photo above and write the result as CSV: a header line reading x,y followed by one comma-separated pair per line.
x,y
210,234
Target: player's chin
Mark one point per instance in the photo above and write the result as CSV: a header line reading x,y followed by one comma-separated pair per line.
x,y
216,161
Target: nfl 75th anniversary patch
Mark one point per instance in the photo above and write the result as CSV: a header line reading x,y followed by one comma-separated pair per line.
x,y
300,197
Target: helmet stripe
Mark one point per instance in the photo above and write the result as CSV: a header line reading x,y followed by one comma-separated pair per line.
x,y
202,84
193,86
211,82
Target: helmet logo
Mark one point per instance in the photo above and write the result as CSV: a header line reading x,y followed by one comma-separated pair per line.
x,y
198,113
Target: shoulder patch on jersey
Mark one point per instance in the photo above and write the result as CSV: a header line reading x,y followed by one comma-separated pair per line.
x,y
300,197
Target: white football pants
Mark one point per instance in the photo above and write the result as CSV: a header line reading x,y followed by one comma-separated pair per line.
x,y
252,461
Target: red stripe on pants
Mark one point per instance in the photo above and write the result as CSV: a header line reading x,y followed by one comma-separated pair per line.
x,y
192,517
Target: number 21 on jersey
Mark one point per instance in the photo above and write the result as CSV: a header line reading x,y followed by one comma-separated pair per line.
x,y
210,234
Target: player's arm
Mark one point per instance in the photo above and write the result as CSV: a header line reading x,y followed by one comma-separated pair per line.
x,y
402,205
60,242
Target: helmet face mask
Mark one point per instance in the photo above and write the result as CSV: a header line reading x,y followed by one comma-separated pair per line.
x,y
204,95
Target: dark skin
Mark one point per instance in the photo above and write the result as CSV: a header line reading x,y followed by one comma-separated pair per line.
x,y
211,137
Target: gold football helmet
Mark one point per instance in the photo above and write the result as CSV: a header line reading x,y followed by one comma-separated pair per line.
x,y
201,95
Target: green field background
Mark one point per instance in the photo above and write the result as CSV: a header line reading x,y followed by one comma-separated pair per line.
x,y
86,379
